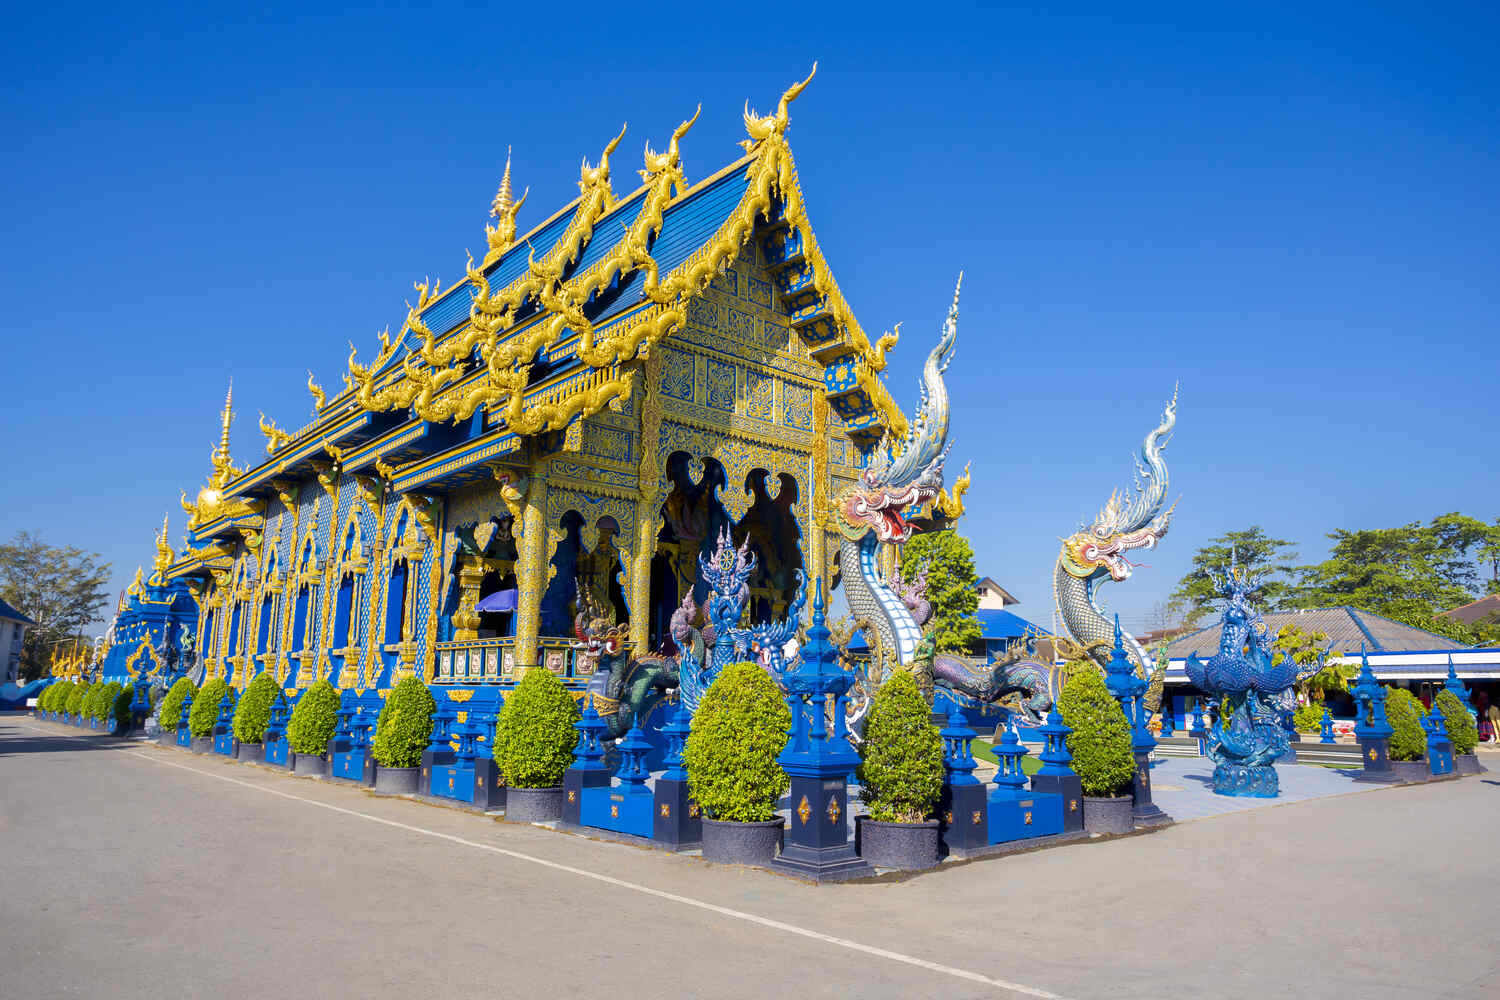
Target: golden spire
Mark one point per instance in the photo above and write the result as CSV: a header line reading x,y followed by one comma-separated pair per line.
x,y
503,208
224,469
164,553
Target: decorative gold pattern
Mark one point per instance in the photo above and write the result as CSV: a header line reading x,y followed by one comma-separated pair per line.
x,y
804,811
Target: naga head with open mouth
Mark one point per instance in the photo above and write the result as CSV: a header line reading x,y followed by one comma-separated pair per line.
x,y
901,479
1126,524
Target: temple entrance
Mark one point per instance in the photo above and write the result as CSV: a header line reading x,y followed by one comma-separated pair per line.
x,y
775,540
692,518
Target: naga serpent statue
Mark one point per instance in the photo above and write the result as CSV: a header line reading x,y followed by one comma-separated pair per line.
x,y
872,511
1097,554
1254,693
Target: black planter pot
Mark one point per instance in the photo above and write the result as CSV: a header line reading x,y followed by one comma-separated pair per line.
x,y
1466,763
1411,771
532,805
397,780
203,744
1107,815
252,753
311,765
905,846
742,843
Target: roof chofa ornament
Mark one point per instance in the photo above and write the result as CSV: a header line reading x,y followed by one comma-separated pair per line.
x,y
762,128
504,208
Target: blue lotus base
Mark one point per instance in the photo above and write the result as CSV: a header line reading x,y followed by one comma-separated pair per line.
x,y
1259,781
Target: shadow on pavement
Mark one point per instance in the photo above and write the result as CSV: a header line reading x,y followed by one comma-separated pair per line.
x,y
13,743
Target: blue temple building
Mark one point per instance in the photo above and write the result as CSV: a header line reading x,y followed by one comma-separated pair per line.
x,y
570,424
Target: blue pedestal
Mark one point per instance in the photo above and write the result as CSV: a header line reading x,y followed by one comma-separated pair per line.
x,y
277,752
676,821
1242,781
1016,812
963,811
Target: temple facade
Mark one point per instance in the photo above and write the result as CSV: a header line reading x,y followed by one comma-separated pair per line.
x,y
568,428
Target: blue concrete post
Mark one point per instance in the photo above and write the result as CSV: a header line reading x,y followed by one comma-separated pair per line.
x,y
1015,812
184,736
224,741
1057,776
275,739
1456,686
1439,746
438,752
1130,691
964,811
676,820
1325,728
1372,730
588,769
1199,727
819,763
1168,724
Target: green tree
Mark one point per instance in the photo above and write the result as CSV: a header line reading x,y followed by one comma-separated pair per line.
x,y
60,589
948,560
1305,649
1268,561
1411,569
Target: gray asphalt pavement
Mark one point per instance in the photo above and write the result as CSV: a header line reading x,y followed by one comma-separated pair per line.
x,y
133,871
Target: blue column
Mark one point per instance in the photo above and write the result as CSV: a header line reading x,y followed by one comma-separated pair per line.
x,y
1372,730
1439,746
819,763
184,735
1198,727
964,811
224,741
588,769
1325,728
1057,776
677,822
1130,691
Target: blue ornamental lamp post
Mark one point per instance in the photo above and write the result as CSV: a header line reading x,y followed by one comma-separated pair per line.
x,y
438,753
1130,691
819,763
964,809
676,820
588,769
1372,729
1456,686
1439,746
1057,776
1325,728
1197,727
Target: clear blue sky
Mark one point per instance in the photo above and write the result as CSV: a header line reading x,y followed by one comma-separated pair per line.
x,y
1292,212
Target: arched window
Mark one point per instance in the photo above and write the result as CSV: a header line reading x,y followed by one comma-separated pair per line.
x,y
395,602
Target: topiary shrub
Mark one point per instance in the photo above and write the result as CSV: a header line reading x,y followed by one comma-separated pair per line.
x,y
75,698
169,712
1457,721
205,710
61,691
405,723
46,698
535,737
87,706
1308,718
102,701
1404,712
738,731
121,708
253,713
314,720
1100,741
901,777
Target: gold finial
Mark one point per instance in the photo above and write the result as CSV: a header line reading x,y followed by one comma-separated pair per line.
x,y
504,208
164,553
598,177
224,469
319,397
761,128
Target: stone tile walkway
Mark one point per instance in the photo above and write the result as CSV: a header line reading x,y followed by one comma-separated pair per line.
x,y
1183,787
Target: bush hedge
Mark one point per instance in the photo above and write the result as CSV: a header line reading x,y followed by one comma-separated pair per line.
x,y
253,713
102,705
1100,741
1308,718
1404,712
121,707
64,694
738,731
169,711
75,698
314,720
47,702
535,737
1457,721
205,710
405,724
901,777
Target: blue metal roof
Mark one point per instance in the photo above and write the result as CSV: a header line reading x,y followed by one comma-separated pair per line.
x,y
6,611
997,623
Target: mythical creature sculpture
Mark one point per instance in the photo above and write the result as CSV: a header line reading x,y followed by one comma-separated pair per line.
x,y
1097,554
623,690
872,511
1254,693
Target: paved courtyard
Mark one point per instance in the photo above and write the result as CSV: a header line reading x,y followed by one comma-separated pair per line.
x,y
133,871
